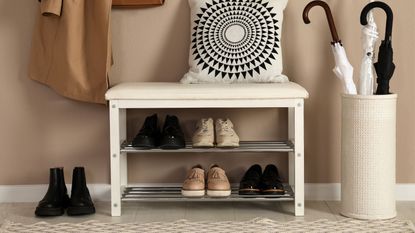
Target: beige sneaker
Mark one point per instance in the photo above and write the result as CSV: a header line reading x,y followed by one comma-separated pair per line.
x,y
194,185
225,134
204,135
218,184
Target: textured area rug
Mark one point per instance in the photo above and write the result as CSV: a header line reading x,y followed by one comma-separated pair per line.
x,y
256,225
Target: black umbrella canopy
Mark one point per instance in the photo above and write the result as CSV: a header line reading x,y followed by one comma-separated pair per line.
x,y
385,67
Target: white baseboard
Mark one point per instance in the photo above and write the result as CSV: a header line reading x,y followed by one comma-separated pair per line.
x,y
323,192
34,193
101,192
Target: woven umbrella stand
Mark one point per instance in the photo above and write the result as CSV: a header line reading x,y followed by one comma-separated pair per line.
x,y
368,156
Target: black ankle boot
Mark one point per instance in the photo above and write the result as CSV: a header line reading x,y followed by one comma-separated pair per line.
x,y
56,198
172,136
81,202
148,135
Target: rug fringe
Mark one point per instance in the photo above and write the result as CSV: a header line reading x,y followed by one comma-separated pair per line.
x,y
411,225
4,225
254,225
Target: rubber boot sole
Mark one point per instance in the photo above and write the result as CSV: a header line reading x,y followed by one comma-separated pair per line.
x,y
144,143
172,143
75,211
49,212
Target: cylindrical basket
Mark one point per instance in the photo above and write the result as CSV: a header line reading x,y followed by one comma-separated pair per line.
x,y
368,156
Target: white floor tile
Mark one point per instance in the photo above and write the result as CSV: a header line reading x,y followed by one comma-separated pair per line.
x,y
24,213
406,211
314,210
160,212
245,211
209,211
335,208
194,211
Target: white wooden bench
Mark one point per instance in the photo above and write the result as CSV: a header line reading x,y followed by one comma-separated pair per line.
x,y
174,95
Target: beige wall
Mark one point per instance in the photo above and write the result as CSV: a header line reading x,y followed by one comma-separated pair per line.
x,y
39,129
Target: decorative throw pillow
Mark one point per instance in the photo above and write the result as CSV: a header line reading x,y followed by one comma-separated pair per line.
x,y
236,41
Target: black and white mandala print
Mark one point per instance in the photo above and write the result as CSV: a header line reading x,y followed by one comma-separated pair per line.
x,y
235,39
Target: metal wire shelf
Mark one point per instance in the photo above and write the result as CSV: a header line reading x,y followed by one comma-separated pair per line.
x,y
159,194
245,146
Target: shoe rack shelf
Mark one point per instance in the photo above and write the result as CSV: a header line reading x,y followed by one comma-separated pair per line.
x,y
160,194
245,147
208,96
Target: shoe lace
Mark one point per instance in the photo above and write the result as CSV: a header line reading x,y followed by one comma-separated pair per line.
x,y
172,126
216,174
195,175
174,130
204,126
226,127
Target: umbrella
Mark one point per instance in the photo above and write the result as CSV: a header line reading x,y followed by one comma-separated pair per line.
x,y
385,66
369,37
343,69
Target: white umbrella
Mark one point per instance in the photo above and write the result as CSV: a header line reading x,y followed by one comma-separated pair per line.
x,y
369,37
343,69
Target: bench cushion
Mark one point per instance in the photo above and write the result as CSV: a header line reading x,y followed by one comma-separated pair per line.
x,y
177,91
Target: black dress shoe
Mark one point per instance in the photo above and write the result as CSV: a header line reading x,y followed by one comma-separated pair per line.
x,y
148,134
81,202
172,136
250,183
271,182
56,198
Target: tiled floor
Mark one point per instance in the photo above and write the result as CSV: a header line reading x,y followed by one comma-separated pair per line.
x,y
151,212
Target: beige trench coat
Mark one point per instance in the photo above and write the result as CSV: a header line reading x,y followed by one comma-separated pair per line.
x,y
71,48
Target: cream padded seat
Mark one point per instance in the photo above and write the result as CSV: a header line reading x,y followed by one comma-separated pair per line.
x,y
178,91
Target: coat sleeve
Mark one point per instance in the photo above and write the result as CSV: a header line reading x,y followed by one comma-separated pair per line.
x,y
51,7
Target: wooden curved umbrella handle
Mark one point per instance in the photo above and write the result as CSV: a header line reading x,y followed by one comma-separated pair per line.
x,y
389,13
329,16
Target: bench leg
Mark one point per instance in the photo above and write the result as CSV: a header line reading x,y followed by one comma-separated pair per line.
x,y
123,156
296,158
118,160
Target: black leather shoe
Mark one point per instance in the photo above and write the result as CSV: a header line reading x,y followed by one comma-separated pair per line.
x,y
81,202
148,134
250,183
56,198
271,182
172,136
